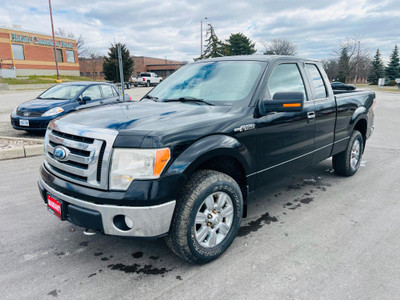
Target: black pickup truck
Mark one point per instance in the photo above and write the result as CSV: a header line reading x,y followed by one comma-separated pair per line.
x,y
183,162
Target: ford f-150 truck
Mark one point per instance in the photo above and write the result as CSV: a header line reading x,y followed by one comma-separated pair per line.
x,y
183,162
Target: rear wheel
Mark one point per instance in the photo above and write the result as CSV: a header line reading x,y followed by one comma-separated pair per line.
x,y
207,217
148,83
346,163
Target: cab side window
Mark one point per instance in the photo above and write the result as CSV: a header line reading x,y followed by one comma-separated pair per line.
x,y
93,92
286,78
317,82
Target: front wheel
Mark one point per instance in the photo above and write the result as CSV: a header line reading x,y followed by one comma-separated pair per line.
x,y
346,163
207,217
148,83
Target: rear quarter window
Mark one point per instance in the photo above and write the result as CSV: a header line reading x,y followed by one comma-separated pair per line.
x,y
317,82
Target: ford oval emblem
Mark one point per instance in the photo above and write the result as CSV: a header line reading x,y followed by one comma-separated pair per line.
x,y
60,153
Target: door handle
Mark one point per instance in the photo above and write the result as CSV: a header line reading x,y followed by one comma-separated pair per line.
x,y
311,115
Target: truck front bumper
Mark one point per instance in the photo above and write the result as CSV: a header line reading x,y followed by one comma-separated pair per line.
x,y
148,221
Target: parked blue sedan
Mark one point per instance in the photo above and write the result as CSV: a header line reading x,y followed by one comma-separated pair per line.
x,y
61,99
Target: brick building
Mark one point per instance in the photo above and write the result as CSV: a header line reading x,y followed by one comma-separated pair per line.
x,y
93,67
163,67
32,53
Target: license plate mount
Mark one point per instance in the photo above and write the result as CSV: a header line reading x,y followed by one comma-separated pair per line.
x,y
24,123
54,206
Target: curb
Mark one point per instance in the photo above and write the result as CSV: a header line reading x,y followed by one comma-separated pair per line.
x,y
22,151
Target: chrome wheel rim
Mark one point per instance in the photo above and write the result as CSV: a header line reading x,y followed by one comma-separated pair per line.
x,y
355,154
213,219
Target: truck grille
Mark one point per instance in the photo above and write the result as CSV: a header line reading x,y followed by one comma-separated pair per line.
x,y
87,153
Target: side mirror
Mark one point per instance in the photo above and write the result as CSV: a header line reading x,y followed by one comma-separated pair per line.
x,y
84,99
284,102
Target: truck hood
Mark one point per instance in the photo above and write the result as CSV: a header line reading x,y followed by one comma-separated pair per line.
x,y
147,116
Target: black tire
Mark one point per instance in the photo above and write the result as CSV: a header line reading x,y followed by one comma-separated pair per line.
x,y
342,162
182,238
148,83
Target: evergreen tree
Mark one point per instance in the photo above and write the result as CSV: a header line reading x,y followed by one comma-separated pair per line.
x,y
377,69
344,65
213,46
393,69
238,44
110,64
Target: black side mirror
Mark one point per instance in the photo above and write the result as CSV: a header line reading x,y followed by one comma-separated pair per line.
x,y
84,99
284,102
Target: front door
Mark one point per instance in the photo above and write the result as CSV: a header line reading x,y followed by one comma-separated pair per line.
x,y
285,139
95,95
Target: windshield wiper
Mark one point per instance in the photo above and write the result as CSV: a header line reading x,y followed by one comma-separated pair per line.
x,y
150,97
188,99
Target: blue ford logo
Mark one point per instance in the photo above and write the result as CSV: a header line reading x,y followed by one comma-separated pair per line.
x,y
60,153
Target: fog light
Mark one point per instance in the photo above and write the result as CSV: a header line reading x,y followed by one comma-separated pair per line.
x,y
123,222
128,222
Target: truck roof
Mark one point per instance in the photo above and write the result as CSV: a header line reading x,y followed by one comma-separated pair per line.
x,y
267,58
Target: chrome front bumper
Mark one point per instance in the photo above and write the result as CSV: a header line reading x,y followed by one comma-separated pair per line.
x,y
148,221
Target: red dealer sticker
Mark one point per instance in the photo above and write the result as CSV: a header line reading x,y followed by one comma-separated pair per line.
x,y
54,206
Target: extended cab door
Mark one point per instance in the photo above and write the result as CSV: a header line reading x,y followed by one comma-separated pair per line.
x,y
325,112
285,140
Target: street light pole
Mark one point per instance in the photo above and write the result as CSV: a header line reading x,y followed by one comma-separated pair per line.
x,y
54,42
201,37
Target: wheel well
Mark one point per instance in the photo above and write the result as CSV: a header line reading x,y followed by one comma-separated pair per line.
x,y
232,167
361,126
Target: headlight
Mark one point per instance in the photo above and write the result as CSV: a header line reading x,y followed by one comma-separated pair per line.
x,y
14,113
130,164
53,111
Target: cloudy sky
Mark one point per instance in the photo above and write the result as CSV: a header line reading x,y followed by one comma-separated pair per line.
x,y
171,29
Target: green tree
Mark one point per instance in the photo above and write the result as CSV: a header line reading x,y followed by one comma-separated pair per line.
x,y
110,64
344,65
214,47
393,69
238,44
377,69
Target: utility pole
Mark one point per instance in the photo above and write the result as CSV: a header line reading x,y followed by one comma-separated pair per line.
x,y
54,43
121,71
357,61
201,37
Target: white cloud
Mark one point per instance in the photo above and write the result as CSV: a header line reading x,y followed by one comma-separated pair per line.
x,y
172,28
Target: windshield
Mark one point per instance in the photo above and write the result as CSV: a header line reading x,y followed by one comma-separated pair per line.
x,y
220,83
66,92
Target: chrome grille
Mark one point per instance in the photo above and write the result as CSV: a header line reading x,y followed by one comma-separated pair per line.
x,y
89,151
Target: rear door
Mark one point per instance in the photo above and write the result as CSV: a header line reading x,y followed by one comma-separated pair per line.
x,y
109,96
285,140
325,112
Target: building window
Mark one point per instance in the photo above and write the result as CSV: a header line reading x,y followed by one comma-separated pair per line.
x,y
18,51
87,74
81,73
59,55
70,56
101,74
94,74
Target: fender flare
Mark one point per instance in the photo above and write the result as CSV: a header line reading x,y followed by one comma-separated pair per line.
x,y
207,148
361,113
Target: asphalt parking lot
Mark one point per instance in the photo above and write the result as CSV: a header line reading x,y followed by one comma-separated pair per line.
x,y
313,235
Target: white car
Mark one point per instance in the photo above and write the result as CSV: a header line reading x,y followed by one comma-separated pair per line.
x,y
146,79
